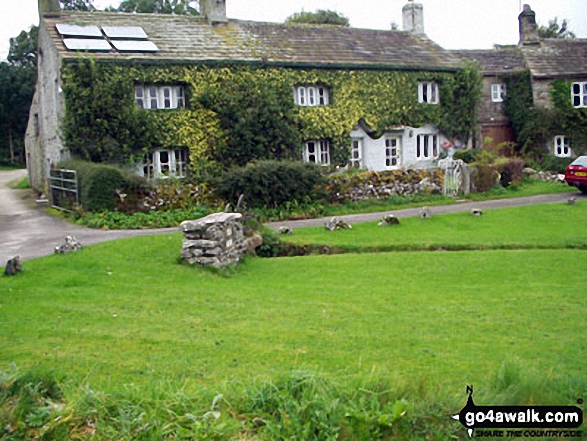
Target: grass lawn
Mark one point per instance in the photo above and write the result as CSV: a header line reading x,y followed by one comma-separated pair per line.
x,y
538,226
125,316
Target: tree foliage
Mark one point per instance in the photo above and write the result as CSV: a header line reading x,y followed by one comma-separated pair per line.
x,y
554,30
179,7
321,17
77,5
17,87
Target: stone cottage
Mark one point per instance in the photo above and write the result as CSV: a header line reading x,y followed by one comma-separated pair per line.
x,y
377,92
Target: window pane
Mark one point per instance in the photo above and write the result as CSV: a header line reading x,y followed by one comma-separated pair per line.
x,y
164,156
426,151
434,92
577,101
425,92
577,88
311,147
418,142
302,96
311,96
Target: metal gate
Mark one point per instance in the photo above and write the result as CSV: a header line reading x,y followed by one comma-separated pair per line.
x,y
64,189
457,176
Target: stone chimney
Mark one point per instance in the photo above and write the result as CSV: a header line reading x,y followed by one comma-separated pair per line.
x,y
214,10
413,17
48,6
528,27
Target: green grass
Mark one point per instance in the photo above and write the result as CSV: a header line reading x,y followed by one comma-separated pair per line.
x,y
4,167
135,337
21,185
538,226
530,187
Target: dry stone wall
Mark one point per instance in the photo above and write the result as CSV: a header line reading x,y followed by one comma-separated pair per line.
x,y
216,240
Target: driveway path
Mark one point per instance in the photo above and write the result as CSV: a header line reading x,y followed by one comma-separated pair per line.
x,y
28,231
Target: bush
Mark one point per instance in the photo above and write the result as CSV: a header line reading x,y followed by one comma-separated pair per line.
x,y
484,171
511,170
555,164
273,183
98,185
467,156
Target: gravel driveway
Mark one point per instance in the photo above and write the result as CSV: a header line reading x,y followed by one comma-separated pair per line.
x,y
26,230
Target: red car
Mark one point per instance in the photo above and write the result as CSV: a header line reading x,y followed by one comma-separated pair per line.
x,y
576,174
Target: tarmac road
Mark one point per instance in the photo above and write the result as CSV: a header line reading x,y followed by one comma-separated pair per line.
x,y
26,230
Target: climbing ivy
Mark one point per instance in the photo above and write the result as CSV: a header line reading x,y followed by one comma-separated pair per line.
x,y
238,112
535,127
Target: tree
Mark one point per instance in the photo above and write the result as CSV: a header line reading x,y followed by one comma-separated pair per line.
x,y
17,87
179,7
77,5
554,30
322,17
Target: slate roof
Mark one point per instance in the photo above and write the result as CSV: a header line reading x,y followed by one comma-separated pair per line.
x,y
193,39
495,61
557,58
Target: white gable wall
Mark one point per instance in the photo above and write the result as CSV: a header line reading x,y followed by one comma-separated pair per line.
x,y
374,150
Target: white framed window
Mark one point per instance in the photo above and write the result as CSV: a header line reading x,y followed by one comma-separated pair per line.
x,y
356,160
159,97
562,148
163,164
392,147
428,92
497,92
317,152
579,94
427,147
311,96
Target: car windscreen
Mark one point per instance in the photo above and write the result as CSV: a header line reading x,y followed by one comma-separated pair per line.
x,y
581,160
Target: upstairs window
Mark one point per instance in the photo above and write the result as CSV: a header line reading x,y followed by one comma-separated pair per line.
x,y
310,96
579,94
561,147
317,152
160,97
497,92
164,164
427,147
428,92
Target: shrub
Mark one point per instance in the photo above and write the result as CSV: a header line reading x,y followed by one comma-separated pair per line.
x,y
173,194
467,156
98,185
272,183
484,171
555,164
511,170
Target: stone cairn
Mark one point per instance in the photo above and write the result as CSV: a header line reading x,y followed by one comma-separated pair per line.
x,y
69,245
337,224
388,219
425,213
13,266
216,240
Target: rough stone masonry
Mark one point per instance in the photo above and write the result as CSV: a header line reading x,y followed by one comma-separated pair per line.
x,y
215,240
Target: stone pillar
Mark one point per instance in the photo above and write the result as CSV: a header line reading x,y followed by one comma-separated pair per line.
x,y
216,240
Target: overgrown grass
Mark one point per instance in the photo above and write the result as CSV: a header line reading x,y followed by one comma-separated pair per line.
x,y
539,226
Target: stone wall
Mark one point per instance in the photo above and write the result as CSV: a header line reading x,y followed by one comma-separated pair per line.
x,y
216,240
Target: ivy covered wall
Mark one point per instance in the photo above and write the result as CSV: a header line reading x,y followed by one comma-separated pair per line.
x,y
536,126
236,113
